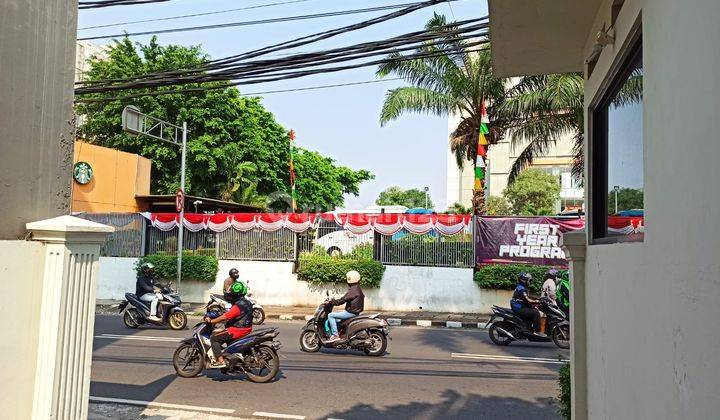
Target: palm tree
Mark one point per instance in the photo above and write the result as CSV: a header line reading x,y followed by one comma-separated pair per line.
x,y
535,109
242,176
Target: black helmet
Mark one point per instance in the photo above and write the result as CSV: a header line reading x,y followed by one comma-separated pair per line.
x,y
525,278
234,273
147,267
551,274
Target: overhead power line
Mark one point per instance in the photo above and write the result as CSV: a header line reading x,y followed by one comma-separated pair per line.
x,y
217,12
110,3
254,22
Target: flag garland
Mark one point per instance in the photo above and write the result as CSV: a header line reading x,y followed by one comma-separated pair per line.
x,y
480,164
293,177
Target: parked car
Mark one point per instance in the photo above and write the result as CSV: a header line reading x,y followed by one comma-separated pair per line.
x,y
342,242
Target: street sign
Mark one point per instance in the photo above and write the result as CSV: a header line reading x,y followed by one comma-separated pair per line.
x,y
132,120
179,200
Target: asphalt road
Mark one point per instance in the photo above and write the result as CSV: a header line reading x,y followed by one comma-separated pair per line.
x,y
428,373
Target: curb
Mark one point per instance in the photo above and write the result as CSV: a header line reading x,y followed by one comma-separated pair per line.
x,y
394,322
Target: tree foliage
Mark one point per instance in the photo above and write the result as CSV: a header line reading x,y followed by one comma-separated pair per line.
x,y
411,198
498,206
236,149
458,208
627,199
535,110
534,193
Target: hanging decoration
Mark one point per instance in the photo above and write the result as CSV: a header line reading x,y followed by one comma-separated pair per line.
x,y
293,194
480,164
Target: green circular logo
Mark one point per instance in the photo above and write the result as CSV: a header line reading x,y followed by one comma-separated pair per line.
x,y
82,173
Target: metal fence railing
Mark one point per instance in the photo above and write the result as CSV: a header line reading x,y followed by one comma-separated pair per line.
x,y
127,240
202,242
257,245
429,249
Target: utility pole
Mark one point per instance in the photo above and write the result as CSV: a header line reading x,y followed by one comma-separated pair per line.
x,y
616,189
135,123
426,196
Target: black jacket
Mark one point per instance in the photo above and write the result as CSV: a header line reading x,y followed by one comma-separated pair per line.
x,y
354,300
144,284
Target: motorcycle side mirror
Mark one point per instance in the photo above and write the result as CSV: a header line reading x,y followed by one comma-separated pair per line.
x,y
327,293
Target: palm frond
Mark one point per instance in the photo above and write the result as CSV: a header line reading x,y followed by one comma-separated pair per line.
x,y
414,99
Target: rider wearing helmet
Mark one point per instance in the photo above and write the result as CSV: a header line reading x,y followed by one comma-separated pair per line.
x,y
354,301
563,293
548,288
145,289
521,303
238,322
234,275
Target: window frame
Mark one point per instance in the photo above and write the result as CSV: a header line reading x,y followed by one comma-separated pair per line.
x,y
598,142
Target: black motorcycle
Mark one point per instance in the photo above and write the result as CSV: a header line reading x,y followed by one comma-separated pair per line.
x,y
506,326
254,355
362,332
169,309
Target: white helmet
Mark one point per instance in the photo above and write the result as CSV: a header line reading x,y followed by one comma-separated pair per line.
x,y
352,277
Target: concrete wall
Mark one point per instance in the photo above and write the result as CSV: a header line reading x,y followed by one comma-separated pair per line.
x,y
274,283
117,178
653,336
37,55
21,280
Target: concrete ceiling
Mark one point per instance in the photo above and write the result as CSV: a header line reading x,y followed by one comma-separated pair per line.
x,y
539,36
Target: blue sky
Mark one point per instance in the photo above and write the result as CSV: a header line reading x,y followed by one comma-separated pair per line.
x,y
339,122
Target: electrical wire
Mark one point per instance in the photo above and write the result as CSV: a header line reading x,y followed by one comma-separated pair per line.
x,y
253,22
217,12
111,3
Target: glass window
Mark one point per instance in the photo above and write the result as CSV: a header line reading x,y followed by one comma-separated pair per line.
x,y
617,153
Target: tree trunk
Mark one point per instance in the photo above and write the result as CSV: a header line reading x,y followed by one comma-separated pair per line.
x,y
478,202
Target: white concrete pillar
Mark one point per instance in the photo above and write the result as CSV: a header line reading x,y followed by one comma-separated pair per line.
x,y
67,317
575,245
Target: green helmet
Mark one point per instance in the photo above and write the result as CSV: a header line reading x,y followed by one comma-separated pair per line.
x,y
238,288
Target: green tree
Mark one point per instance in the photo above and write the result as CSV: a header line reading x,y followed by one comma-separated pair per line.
x,y
534,193
458,208
321,184
627,199
236,149
411,198
460,84
498,206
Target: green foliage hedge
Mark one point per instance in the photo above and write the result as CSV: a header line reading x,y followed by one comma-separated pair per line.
x,y
504,276
319,268
194,267
564,391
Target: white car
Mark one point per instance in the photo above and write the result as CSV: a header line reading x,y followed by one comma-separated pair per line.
x,y
342,242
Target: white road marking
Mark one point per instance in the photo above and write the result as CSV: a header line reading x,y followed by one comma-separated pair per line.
x,y
162,405
138,337
501,358
277,416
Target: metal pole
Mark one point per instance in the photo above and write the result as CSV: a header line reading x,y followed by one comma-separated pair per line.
x,y
616,206
182,210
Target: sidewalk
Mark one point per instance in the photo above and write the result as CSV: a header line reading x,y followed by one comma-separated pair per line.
x,y
114,411
394,318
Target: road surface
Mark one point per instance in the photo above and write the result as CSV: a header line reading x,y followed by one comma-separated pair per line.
x,y
428,373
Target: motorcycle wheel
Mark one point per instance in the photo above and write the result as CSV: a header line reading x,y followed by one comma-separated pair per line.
x,y
310,342
561,337
379,344
188,361
258,316
498,338
177,320
269,362
131,318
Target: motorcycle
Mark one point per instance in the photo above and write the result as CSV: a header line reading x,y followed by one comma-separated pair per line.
x,y
219,303
506,327
254,355
170,312
362,332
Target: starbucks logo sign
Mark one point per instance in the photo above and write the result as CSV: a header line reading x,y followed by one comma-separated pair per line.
x,y
82,173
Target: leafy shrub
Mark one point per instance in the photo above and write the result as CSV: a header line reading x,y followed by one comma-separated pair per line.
x,y
564,391
504,276
320,268
194,267
362,252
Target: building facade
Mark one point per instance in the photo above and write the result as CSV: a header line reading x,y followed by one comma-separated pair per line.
x,y
645,339
557,161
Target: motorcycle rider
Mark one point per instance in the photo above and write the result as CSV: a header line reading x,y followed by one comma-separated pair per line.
x,y
354,301
234,275
563,293
238,322
521,303
145,289
548,288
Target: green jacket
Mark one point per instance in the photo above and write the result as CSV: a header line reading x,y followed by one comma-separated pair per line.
x,y
563,292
